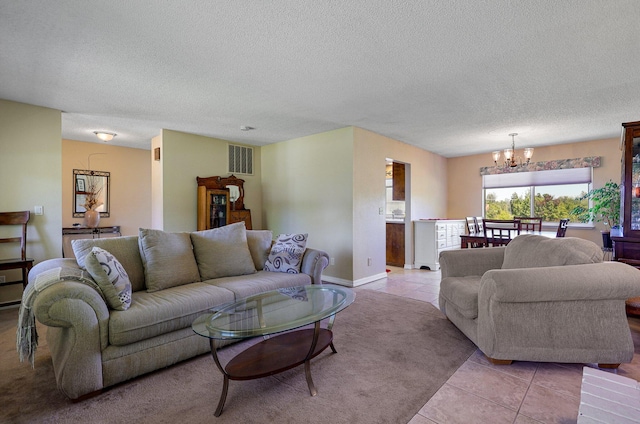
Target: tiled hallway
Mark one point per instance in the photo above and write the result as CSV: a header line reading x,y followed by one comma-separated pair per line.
x,y
479,392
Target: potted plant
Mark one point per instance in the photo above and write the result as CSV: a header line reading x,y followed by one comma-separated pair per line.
x,y
605,208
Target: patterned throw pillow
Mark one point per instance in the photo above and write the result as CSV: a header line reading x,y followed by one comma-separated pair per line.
x,y
286,254
111,277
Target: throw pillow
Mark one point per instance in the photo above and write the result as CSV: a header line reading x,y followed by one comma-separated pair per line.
x,y
286,254
111,277
259,242
223,252
125,249
533,251
167,258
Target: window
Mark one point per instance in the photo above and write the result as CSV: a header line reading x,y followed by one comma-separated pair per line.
x,y
551,195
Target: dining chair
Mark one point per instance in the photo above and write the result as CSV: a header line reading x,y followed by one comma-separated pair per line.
x,y
23,263
472,228
530,223
479,224
499,232
562,227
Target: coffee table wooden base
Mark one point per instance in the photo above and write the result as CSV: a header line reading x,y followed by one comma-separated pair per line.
x,y
274,355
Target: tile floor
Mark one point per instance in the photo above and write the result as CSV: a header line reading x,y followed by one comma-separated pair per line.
x,y
479,392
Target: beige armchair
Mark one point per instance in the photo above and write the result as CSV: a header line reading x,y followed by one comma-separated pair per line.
x,y
541,299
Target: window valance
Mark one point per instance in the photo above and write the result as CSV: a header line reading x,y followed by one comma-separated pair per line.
x,y
586,162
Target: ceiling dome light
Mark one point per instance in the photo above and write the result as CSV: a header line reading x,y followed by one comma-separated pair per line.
x,y
105,136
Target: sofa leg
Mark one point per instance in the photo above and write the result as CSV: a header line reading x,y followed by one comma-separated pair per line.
x,y
609,366
87,396
499,361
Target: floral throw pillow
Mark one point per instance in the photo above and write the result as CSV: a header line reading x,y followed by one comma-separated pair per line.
x,y
286,254
110,275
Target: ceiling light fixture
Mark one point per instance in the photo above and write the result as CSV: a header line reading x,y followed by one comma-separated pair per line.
x,y
105,136
510,159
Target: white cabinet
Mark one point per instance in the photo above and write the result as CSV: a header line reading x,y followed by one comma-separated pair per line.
x,y
432,236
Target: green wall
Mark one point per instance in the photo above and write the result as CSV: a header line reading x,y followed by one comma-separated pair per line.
x,y
30,175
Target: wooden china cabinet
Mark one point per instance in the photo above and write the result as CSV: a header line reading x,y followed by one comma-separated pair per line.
x,y
221,202
626,246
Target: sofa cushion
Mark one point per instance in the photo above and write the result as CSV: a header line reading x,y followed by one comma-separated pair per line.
x,y
462,293
167,258
124,249
110,275
286,254
160,312
259,242
222,252
260,282
534,251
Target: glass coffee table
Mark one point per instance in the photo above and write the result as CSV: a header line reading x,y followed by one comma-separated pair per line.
x,y
289,323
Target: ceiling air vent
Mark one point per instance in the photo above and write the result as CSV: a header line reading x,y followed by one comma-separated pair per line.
x,y
240,159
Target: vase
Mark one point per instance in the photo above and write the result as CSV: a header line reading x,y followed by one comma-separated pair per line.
x,y
91,218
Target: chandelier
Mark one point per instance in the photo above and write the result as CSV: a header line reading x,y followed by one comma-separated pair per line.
x,y
510,158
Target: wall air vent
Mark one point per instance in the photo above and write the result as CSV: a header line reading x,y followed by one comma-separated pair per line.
x,y
240,160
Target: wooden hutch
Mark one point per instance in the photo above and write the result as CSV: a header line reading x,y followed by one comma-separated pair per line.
x,y
626,246
221,202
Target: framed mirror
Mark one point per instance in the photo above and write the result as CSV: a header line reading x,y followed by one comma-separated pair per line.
x,y
90,191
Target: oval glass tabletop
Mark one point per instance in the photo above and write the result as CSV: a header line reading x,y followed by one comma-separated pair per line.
x,y
274,311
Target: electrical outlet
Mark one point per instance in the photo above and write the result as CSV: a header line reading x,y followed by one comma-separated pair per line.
x,y
332,261
369,261
3,279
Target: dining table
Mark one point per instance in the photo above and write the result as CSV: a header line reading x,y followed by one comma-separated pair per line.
x,y
478,239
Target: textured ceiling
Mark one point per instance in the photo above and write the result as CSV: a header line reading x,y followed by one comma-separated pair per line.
x,y
452,77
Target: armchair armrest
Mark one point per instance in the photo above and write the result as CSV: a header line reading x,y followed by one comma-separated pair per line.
x,y
314,262
605,280
466,262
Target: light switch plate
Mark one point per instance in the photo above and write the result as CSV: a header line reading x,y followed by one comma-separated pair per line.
x,y
38,210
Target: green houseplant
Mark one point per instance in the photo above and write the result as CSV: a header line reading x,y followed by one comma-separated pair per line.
x,y
605,208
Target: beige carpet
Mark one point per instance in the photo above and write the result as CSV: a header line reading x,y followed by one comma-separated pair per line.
x,y
393,355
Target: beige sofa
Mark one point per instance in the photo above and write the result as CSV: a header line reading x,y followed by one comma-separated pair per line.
x,y
541,299
94,346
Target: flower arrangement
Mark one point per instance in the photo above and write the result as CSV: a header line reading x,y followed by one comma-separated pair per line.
x,y
92,197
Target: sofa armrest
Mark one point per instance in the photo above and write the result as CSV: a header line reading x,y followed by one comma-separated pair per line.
x,y
466,262
43,266
314,262
78,321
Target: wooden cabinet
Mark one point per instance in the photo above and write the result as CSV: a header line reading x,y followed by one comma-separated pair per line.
x,y
432,236
213,208
395,243
627,245
241,216
221,202
398,190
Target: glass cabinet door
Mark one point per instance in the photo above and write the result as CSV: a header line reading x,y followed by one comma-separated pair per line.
x,y
218,208
631,180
